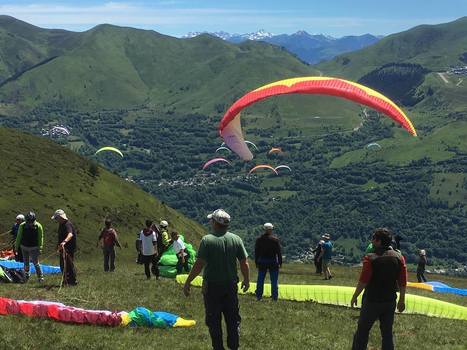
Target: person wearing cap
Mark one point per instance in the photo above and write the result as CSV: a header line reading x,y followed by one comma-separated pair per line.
x,y
268,257
218,254
181,252
66,247
421,266
326,255
14,232
148,249
164,236
30,239
383,273
108,238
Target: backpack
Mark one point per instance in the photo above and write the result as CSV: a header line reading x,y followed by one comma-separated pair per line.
x,y
13,276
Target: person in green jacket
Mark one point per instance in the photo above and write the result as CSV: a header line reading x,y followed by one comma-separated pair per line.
x,y
30,239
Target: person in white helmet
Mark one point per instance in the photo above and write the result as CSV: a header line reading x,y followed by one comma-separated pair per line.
x,y
268,257
164,236
14,231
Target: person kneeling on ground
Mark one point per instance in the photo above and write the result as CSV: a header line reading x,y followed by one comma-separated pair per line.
x,y
181,252
30,238
147,246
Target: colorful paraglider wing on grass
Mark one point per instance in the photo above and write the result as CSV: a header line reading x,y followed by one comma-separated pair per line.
x,y
230,126
215,160
263,166
341,295
438,287
69,314
111,149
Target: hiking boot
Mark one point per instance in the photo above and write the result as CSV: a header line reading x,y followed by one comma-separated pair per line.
x,y
40,279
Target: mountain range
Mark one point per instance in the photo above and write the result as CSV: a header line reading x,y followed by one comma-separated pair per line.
x,y
308,47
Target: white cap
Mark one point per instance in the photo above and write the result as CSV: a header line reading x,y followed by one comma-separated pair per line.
x,y
164,223
268,226
220,216
59,213
20,217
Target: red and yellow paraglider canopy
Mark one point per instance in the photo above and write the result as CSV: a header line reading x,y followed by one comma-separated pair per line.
x,y
230,127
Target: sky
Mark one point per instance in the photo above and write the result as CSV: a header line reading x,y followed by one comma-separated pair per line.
x,y
178,17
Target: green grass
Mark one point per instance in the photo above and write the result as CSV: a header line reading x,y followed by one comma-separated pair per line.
x,y
448,187
37,174
285,324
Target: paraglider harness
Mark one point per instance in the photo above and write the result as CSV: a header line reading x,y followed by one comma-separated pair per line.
x,y
8,275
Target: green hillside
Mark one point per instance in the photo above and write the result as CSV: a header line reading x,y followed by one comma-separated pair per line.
x,y
112,67
39,175
435,47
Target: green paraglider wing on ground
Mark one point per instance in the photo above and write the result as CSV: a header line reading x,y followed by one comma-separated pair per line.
x,y
340,295
168,260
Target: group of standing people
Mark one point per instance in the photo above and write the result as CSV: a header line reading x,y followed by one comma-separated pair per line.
x,y
28,242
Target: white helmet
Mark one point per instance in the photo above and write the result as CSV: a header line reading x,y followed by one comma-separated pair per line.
x,y
20,217
164,223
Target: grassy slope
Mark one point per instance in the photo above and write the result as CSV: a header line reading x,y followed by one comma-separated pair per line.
x,y
291,325
37,174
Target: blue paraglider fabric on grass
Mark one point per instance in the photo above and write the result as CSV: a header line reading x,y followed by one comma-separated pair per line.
x,y
444,288
46,269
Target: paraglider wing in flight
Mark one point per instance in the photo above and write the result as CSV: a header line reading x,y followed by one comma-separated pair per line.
x,y
112,149
230,126
282,167
215,160
262,166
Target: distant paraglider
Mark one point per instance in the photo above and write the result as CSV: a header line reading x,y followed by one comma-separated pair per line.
x,y
282,167
230,127
263,166
222,148
374,146
251,143
215,160
58,130
275,150
111,149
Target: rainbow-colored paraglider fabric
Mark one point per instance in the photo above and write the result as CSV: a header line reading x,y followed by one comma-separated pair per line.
x,y
138,317
439,287
341,295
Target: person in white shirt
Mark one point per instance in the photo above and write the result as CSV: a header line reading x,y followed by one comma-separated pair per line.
x,y
181,252
148,249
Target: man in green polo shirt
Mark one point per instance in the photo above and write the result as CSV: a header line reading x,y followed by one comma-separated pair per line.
x,y
218,254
